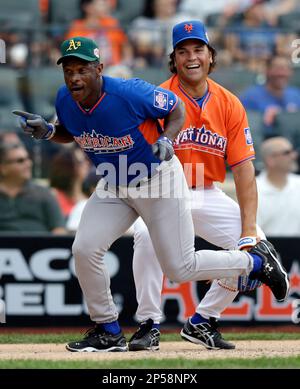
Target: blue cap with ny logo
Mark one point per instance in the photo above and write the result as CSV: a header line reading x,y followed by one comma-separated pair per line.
x,y
191,29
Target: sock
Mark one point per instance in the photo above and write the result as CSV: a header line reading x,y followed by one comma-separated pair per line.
x,y
112,328
257,263
197,319
155,325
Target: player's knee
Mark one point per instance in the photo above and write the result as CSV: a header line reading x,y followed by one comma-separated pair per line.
x,y
141,236
173,273
80,249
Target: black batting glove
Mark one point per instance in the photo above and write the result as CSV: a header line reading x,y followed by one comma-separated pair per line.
x,y
163,148
35,125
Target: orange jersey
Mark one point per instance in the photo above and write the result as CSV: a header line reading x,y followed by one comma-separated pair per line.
x,y
211,136
108,35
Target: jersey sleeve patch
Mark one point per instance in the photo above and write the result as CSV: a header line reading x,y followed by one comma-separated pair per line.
x,y
161,100
248,136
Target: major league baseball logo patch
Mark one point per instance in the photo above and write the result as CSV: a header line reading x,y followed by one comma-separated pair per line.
x,y
248,136
161,100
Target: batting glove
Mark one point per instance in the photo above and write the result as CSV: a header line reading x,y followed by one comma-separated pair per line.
x,y
35,125
163,148
244,282
247,242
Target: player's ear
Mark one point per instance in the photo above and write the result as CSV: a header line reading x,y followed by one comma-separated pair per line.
x,y
100,68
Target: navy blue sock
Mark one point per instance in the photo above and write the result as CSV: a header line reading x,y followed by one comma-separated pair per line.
x,y
155,325
257,263
197,319
112,328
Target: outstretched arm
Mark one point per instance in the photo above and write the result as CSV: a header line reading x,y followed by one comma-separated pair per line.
x,y
37,127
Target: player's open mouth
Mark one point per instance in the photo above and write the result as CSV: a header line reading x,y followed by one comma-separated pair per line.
x,y
76,88
192,67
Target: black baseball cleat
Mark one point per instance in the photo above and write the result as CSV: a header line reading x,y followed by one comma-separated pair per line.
x,y
97,340
205,334
272,273
145,338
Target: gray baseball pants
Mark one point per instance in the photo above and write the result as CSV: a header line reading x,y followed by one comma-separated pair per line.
x,y
169,221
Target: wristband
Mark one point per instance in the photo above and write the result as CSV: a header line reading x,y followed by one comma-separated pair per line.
x,y
51,132
165,138
246,241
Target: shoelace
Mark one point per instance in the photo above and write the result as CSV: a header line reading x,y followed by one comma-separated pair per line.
x,y
213,324
143,329
94,331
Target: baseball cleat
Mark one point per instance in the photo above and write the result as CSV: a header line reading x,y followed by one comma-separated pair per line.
x,y
272,273
206,334
145,338
97,340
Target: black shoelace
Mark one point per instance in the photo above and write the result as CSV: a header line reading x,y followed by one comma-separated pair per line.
x,y
94,332
143,329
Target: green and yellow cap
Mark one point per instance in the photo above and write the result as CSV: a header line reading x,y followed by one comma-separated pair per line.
x,y
79,47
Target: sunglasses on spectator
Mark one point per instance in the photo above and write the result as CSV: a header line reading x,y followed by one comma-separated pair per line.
x,y
17,160
284,152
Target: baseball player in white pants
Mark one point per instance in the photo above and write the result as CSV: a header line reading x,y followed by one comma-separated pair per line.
x,y
216,219
215,133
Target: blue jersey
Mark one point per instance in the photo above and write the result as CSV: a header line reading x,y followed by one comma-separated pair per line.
x,y
258,98
109,131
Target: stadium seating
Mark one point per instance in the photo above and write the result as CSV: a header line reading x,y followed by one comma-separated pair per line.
x,y
214,20
290,21
42,85
287,124
63,12
255,120
127,11
236,80
153,75
19,14
9,98
295,80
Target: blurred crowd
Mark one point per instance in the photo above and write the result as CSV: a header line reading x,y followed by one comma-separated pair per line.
x,y
256,44
137,33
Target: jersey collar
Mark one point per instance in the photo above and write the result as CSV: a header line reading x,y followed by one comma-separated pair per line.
x,y
193,101
90,111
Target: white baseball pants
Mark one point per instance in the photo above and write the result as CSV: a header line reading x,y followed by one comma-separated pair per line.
x,y
216,219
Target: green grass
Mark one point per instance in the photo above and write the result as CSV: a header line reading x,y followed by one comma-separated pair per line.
x,y
178,363
68,337
150,363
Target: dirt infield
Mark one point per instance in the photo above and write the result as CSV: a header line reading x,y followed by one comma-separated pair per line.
x,y
244,349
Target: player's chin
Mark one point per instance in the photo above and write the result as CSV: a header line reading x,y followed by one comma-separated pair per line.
x,y
78,95
194,74
193,77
